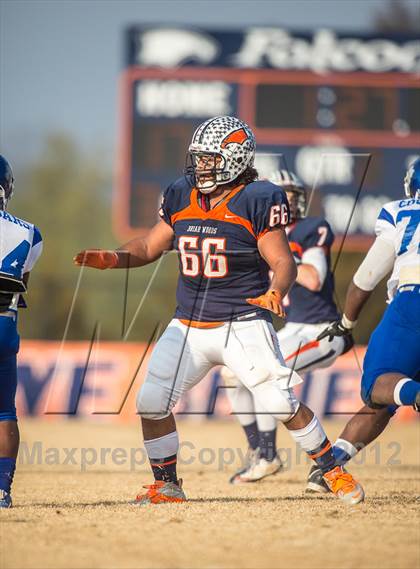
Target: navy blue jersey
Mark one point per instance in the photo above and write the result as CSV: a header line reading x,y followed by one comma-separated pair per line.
x,y
219,262
308,306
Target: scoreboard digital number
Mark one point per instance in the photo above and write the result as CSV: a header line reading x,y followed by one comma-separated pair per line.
x,y
340,118
342,107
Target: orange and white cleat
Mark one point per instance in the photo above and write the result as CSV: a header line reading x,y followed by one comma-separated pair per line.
x,y
344,486
162,492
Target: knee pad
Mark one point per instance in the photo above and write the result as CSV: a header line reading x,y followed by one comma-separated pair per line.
x,y
281,403
273,371
165,358
153,401
158,394
228,377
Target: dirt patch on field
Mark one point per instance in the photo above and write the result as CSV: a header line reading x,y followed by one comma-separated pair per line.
x,y
69,515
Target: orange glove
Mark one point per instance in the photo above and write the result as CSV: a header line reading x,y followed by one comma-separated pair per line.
x,y
97,259
271,300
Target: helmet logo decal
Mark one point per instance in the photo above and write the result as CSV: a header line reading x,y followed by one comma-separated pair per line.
x,y
238,136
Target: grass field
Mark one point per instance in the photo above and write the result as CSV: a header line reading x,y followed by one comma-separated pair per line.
x,y
70,515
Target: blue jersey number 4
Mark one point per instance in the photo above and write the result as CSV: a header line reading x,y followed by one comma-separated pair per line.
x,y
411,228
14,262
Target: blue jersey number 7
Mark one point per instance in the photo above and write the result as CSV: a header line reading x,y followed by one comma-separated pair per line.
x,y
413,223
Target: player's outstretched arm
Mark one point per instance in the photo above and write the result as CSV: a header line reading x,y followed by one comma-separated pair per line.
x,y
275,250
136,253
377,263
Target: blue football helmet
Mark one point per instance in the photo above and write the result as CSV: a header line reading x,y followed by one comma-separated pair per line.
x,y
6,182
412,180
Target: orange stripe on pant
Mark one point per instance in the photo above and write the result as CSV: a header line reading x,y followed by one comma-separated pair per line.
x,y
303,349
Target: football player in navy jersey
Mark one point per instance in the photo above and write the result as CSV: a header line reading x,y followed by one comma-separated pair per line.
x,y
310,307
229,232
20,248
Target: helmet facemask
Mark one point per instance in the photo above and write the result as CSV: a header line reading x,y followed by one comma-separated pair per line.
x,y
207,170
294,189
297,202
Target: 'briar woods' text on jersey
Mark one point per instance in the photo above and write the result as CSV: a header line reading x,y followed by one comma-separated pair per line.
x,y
219,261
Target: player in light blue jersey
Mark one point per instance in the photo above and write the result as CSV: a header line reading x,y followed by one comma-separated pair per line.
x,y
20,248
391,368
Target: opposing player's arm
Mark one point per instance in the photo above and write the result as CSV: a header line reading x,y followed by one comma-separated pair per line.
x,y
275,250
377,263
375,266
136,253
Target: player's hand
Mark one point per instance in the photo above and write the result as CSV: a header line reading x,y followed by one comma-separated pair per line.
x,y
336,329
271,300
97,259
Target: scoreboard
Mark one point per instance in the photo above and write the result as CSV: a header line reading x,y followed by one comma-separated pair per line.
x,y
345,133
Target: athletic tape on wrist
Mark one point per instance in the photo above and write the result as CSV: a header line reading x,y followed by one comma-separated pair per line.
x,y
350,324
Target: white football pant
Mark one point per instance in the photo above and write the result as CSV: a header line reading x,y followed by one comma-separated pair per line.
x,y
184,355
301,352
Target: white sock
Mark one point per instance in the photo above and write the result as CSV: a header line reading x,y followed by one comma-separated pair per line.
x,y
314,441
398,388
310,437
346,446
162,447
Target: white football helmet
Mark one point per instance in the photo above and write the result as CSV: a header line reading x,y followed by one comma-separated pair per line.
x,y
221,149
292,184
